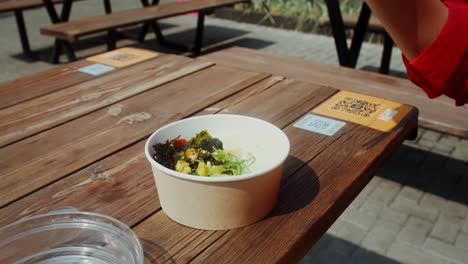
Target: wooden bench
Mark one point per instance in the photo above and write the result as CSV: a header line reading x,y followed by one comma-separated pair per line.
x,y
439,114
375,26
17,6
71,31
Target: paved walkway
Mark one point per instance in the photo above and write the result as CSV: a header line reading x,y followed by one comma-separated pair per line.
x,y
416,208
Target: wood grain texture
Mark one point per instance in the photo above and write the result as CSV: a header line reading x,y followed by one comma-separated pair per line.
x,y
192,247
70,31
121,185
186,243
242,95
45,82
53,154
287,234
105,186
438,114
70,190
282,103
36,115
322,176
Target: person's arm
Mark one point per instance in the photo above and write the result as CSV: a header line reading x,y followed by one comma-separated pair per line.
x,y
412,24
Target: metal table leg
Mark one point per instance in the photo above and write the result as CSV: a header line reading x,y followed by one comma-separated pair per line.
x,y
153,24
198,40
386,55
199,33
112,33
359,34
55,18
338,30
22,32
347,56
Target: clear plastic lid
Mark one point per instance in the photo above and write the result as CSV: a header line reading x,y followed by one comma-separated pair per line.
x,y
69,236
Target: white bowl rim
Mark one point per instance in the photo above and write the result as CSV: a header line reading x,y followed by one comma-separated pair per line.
x,y
217,178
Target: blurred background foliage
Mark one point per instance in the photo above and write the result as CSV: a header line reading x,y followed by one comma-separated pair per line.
x,y
299,15
305,12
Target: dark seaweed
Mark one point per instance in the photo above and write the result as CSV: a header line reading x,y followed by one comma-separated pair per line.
x,y
211,144
165,154
184,148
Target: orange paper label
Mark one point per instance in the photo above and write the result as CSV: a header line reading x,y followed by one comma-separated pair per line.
x,y
123,57
365,110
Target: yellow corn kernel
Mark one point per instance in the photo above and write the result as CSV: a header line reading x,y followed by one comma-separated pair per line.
x,y
191,154
183,166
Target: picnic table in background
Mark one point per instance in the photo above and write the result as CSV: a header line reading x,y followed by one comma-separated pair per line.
x,y
79,139
18,6
68,32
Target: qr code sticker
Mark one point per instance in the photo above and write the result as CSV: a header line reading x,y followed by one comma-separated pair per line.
x,y
319,124
357,107
122,56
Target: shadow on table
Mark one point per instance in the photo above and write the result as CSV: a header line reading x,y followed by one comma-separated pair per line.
x,y
393,73
211,35
331,249
251,43
298,189
154,253
215,38
428,172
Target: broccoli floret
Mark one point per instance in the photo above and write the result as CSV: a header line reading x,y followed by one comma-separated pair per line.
x,y
211,144
199,137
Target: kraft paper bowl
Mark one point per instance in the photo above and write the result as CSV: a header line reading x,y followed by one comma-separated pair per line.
x,y
223,202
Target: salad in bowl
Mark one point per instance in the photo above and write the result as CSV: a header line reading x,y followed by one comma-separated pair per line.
x,y
202,155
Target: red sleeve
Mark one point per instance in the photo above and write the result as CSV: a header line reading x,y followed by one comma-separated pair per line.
x,y
442,68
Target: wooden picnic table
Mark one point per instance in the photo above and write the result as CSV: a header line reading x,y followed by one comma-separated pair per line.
x,y
69,138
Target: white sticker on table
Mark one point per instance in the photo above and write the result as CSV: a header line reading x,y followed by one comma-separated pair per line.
x,y
319,124
388,114
96,69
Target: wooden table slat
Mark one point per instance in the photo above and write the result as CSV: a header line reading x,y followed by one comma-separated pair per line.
x,y
286,101
105,171
113,180
28,118
54,153
86,184
439,114
108,177
288,233
45,82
